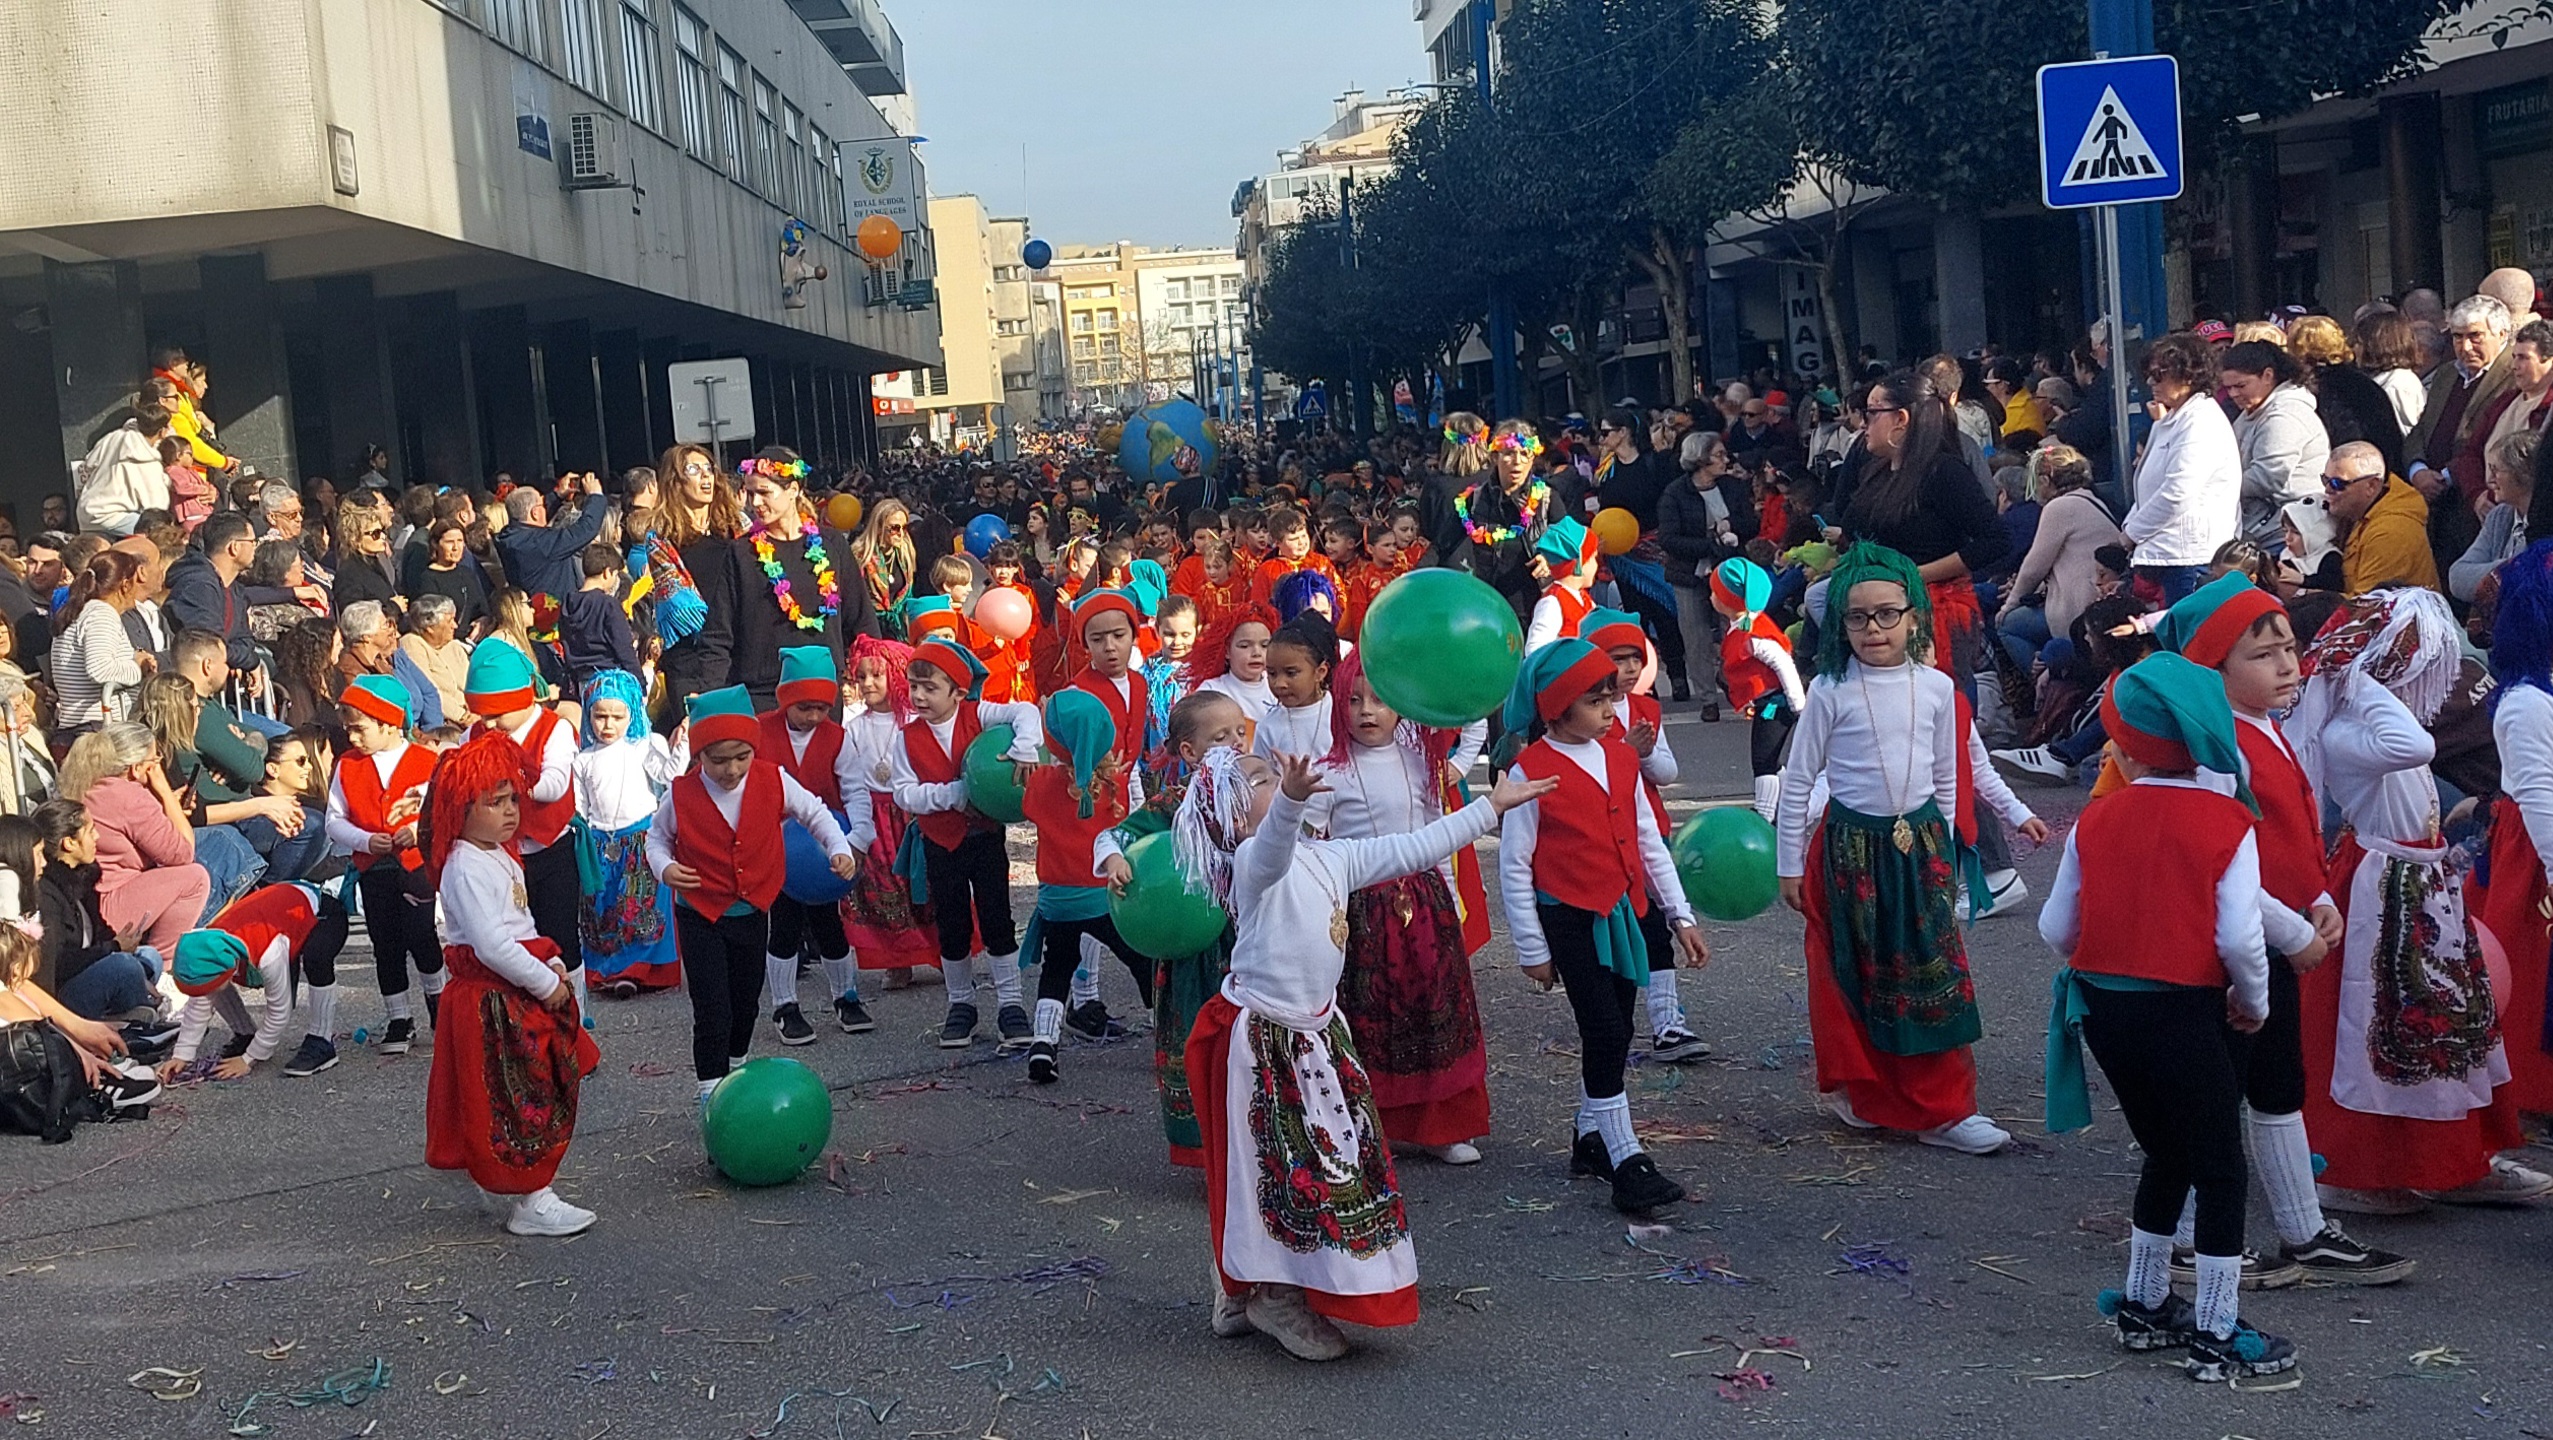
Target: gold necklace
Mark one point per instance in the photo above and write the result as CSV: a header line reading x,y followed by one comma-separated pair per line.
x,y
1902,835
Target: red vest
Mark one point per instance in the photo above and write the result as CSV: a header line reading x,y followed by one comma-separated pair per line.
x,y
1129,713
1587,844
1644,707
814,772
368,801
935,766
1067,840
2291,833
745,861
1575,607
2150,857
1750,679
266,912
543,820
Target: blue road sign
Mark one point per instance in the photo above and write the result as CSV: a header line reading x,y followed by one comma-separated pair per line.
x,y
2110,132
1313,403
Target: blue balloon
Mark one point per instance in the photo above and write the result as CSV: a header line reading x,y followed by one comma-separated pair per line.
x,y
1037,254
811,879
984,532
1168,442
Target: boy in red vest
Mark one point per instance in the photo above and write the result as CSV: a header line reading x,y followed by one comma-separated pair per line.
x,y
376,796
806,742
1637,722
1577,869
2157,907
499,691
716,841
2241,632
259,942
1756,667
1291,534
1568,553
1109,623
1072,802
966,868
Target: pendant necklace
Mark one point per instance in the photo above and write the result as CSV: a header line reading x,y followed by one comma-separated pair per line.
x,y
1902,835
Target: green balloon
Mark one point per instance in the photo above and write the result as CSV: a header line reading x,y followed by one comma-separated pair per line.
x,y
992,786
1158,914
1725,857
768,1121
1441,647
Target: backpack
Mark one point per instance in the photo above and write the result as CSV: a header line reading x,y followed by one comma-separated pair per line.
x,y
43,1090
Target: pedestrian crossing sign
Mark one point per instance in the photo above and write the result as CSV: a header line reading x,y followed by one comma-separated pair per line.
x,y
2110,131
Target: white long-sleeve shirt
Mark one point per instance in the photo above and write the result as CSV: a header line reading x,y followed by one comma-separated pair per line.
x,y
1658,767
2240,944
93,667
796,801
1294,730
344,835
870,740
2374,758
1253,696
916,796
2189,487
486,909
274,1008
1992,792
558,767
1884,740
2287,931
619,785
1522,828
2522,727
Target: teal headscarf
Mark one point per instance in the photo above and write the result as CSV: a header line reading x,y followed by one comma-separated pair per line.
x,y
1863,563
1149,584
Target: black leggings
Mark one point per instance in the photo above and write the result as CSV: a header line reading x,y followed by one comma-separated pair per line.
x,y
402,930
316,963
971,893
2177,1069
1661,622
792,921
1602,1000
722,971
1060,944
551,882
2274,1075
1768,739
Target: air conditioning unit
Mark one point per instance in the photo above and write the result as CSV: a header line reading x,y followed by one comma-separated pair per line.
x,y
593,158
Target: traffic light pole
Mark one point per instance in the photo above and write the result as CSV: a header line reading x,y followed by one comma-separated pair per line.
x,y
1500,333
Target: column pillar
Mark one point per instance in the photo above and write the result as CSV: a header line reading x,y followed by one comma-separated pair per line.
x,y
511,437
2251,213
2412,146
575,404
1959,279
360,407
656,354
431,373
621,363
99,352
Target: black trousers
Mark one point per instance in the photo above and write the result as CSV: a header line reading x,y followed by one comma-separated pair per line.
x,y
2177,1069
402,930
551,881
793,922
1059,942
1602,1000
1768,739
2274,1076
316,963
722,972
971,891
1663,626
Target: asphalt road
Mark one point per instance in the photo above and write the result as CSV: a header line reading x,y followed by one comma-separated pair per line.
x,y
988,1259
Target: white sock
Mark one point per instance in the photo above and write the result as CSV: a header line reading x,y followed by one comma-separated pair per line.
x,y
1665,1013
1049,1022
735,1063
2149,1277
2220,1286
1613,1121
432,981
780,977
2284,1160
396,1006
1768,795
320,1016
959,977
1086,974
706,1086
576,982
1005,970
2185,1234
842,977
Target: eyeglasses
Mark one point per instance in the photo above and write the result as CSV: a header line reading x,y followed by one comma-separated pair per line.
x,y
2337,483
697,467
1883,617
1873,412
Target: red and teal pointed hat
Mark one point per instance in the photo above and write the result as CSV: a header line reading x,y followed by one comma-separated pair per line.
x,y
723,715
808,676
2208,620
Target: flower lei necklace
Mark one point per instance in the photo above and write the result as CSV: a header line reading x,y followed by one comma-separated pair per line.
x,y
1530,506
829,589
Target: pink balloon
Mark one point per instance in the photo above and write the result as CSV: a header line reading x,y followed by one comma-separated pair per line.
x,y
2495,963
1005,613
1648,680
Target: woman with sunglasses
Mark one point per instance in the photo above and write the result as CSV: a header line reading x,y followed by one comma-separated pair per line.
x,y
884,557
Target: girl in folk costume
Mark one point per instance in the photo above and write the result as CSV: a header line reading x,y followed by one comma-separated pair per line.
x,y
963,868
376,799
260,942
1231,658
1637,719
1755,664
500,693
717,841
1010,676
1301,1199
510,1051
1407,988
1301,656
2157,909
1567,553
802,738
2402,1036
1073,802
2517,909
1166,673
1890,1005
885,929
625,919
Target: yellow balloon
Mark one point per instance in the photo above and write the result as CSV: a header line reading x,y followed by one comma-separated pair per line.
x,y
1617,530
843,512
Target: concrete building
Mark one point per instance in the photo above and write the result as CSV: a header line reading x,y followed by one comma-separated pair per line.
x,y
1027,330
958,399
1448,32
1309,178
1095,286
1193,315
472,231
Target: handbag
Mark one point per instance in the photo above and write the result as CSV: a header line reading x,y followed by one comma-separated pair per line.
x,y
43,1090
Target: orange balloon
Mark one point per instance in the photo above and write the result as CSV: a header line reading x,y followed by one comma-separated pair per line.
x,y
842,512
1004,613
880,237
1617,530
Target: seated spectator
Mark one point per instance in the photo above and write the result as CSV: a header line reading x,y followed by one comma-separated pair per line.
x,y
2508,484
2383,521
91,967
2061,571
372,648
305,671
279,590
297,770
435,647
450,571
148,880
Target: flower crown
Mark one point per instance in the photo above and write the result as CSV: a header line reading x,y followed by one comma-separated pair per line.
x,y
776,469
1524,440
1457,437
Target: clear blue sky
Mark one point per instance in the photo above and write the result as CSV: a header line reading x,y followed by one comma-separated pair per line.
x,y
1140,116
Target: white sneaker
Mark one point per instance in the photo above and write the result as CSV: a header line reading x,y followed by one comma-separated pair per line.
x,y
2038,762
2003,896
1281,1313
543,1213
2509,1183
1975,1135
1842,1106
1231,1314
1461,1152
2369,1202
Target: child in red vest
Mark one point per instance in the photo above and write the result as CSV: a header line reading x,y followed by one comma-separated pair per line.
x,y
1637,719
500,692
1756,667
717,841
1567,551
1072,802
2157,907
807,743
1292,537
966,867
511,1052
376,796
260,942
1109,624
1577,871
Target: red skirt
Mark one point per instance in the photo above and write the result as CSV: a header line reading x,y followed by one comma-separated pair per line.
x,y
2383,1152
885,931
501,1096
1901,1092
2511,909
1209,1048
1407,994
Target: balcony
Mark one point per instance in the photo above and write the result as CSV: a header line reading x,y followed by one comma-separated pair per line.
x,y
861,40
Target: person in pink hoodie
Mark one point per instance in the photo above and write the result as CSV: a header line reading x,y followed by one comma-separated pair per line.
x,y
148,877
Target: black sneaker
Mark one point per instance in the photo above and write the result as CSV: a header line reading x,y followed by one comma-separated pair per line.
x,y
236,1046
398,1035
434,1010
2231,1357
2336,1259
1091,1021
317,1053
2167,1326
1042,1069
852,1016
1677,1046
128,1087
2258,1273
1638,1186
1711,711
958,1030
1588,1156
1012,1020
794,1029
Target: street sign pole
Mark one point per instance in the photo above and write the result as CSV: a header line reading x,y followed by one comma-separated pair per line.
x,y
2111,288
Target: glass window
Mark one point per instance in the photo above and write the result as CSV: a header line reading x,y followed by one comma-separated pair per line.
x,y
580,44
642,68
731,113
766,138
517,23
1107,319
1081,322
819,177
793,178
691,46
1231,284
1107,344
1081,347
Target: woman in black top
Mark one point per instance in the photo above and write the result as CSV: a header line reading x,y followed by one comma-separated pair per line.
x,y
447,572
1630,476
1500,515
827,604
363,548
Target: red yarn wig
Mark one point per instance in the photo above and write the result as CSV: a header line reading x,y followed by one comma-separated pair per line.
x,y
1212,657
462,777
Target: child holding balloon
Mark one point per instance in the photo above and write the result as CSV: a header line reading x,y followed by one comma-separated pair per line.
x,y
1637,719
803,739
1577,877
1007,614
1110,625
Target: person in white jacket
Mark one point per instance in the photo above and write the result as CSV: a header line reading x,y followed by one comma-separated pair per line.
x,y
2280,434
2189,486
122,476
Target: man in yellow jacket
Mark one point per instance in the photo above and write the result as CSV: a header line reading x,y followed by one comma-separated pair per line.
x,y
2384,520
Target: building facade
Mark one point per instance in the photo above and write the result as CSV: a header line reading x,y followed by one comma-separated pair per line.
x,y
958,401
1026,334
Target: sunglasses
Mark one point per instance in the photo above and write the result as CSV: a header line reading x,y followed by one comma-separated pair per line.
x,y
2337,483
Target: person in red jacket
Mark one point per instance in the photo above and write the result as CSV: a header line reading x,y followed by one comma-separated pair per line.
x,y
1010,672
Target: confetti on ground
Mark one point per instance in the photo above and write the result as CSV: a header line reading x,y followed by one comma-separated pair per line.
x,y
1071,1197
2084,1375
1874,1258
163,1383
1852,1176
877,1413
1743,1383
595,1372
254,1277
650,1070
351,1386
1529,1207
1995,1264
2437,1357
1701,1272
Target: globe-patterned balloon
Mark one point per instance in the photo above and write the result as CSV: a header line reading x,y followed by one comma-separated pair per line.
x,y
1167,443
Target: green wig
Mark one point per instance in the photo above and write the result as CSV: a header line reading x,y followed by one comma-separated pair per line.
x,y
1867,562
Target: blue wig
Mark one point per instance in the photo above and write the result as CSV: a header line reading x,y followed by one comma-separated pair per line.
x,y
1293,594
2522,632
622,686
